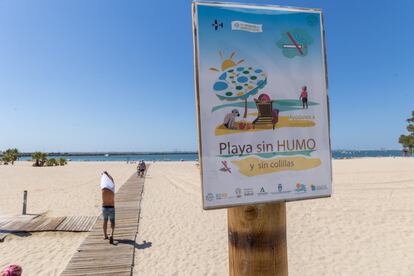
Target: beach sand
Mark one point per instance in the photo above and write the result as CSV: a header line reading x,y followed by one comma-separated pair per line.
x,y
365,228
72,190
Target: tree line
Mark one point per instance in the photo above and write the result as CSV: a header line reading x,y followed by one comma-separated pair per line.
x,y
407,141
40,158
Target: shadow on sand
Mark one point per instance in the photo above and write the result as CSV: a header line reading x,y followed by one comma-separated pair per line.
x,y
144,245
4,233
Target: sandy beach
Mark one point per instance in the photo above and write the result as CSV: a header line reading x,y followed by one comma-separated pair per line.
x,y
365,228
72,190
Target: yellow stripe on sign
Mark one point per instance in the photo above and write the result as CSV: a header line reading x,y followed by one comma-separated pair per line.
x,y
253,166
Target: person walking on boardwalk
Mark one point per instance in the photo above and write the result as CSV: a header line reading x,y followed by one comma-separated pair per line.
x,y
141,168
138,167
108,204
304,97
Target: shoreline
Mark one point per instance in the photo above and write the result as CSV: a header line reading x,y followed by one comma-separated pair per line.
x,y
196,160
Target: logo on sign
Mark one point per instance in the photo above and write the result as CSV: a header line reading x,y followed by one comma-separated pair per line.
x,y
246,26
318,187
248,192
238,192
262,192
280,188
217,25
210,197
221,196
300,188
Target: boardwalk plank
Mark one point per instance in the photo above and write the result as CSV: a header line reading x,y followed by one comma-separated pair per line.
x,y
95,256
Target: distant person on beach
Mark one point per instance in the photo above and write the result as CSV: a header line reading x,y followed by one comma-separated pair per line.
x,y
108,204
141,168
12,270
304,97
405,152
139,164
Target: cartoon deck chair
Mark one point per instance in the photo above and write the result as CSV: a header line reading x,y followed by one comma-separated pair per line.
x,y
266,113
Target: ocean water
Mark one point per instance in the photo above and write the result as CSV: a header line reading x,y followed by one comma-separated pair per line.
x,y
336,154
343,154
128,157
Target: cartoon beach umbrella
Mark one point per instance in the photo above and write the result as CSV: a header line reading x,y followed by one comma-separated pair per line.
x,y
237,82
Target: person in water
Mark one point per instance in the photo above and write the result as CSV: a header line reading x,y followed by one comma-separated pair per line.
x,y
108,204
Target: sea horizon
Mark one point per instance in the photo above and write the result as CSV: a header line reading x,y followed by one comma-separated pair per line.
x,y
188,155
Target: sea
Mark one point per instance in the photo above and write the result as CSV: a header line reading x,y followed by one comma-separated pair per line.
x,y
193,156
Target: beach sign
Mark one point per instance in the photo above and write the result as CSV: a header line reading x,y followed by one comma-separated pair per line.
x,y
262,104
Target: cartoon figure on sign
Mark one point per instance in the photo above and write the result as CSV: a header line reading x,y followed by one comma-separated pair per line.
x,y
266,113
238,82
304,97
230,119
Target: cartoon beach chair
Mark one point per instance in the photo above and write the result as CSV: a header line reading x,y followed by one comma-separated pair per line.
x,y
266,113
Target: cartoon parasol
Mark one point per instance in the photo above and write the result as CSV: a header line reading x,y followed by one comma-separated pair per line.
x,y
238,82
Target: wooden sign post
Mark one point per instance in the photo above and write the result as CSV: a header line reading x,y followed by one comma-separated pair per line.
x,y
24,202
263,120
257,240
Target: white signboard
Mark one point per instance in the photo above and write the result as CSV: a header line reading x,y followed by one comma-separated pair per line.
x,y
262,104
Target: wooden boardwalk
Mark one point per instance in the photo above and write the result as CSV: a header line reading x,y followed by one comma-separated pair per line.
x,y
40,223
95,256
44,223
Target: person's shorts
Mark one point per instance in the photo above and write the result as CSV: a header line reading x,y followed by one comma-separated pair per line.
x,y
304,99
108,213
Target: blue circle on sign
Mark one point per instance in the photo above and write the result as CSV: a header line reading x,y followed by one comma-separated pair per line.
x,y
242,79
219,86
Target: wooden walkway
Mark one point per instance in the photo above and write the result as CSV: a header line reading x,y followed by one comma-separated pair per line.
x,y
95,256
40,223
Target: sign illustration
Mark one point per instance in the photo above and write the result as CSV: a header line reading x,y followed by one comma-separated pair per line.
x,y
295,43
262,104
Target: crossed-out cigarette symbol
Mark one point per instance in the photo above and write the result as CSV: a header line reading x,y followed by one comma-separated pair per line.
x,y
225,167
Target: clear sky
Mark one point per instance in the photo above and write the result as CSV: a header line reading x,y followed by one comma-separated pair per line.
x,y
100,75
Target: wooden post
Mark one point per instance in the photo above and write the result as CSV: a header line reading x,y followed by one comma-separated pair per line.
x,y
24,202
257,240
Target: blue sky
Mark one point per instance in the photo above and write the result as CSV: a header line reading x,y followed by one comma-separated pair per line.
x,y
118,75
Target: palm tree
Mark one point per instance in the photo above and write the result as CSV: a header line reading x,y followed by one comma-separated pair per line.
x,y
51,162
40,158
6,159
62,161
15,155
407,141
11,155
